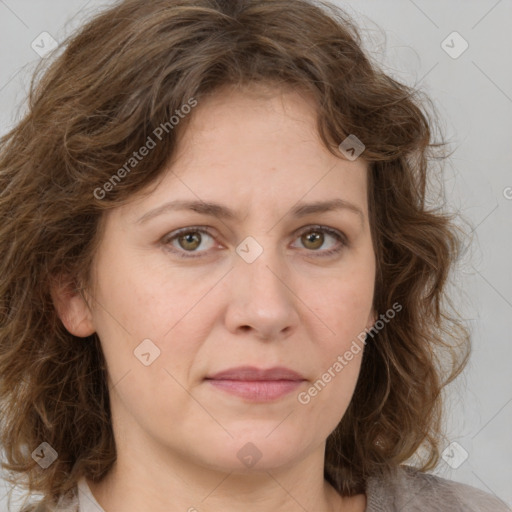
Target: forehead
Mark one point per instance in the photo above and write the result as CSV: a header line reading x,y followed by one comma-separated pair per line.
x,y
257,149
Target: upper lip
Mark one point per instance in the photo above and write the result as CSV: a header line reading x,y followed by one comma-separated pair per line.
x,y
253,373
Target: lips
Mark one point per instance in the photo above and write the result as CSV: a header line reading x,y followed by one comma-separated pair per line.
x,y
252,373
257,385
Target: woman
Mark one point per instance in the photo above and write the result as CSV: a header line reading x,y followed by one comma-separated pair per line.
x,y
222,287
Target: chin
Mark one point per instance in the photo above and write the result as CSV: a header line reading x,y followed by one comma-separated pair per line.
x,y
256,451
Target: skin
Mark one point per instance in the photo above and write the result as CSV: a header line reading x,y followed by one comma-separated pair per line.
x,y
257,152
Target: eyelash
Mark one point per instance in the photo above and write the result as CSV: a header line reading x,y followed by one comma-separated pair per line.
x,y
339,236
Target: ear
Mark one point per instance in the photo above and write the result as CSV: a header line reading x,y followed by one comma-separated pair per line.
x,y
71,307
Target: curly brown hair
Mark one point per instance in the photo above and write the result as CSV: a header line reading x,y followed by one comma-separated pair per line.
x,y
124,74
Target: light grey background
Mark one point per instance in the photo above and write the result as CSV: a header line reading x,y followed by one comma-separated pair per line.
x,y
473,94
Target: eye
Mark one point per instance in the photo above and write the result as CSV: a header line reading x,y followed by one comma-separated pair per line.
x,y
186,239
314,238
186,242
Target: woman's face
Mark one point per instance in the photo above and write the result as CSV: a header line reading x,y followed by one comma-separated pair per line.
x,y
257,279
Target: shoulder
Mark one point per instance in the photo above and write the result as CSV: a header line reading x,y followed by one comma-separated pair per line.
x,y
406,488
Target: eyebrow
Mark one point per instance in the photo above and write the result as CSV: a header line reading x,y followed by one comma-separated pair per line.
x,y
223,212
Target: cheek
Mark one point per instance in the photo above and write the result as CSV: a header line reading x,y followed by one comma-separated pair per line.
x,y
142,319
141,299
343,305
327,398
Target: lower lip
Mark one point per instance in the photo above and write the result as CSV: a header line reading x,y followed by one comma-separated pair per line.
x,y
257,391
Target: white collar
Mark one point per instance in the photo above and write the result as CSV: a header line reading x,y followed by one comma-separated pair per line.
x,y
86,500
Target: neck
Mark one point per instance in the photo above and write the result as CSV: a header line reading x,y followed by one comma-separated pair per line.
x,y
133,487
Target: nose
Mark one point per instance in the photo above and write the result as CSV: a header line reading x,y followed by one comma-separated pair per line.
x,y
261,299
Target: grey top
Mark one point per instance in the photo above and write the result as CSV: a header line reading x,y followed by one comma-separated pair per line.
x,y
407,491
